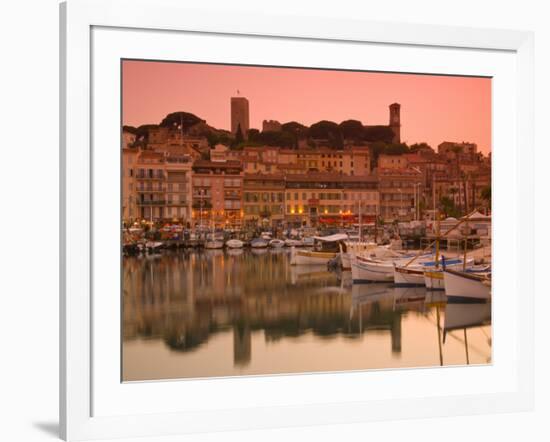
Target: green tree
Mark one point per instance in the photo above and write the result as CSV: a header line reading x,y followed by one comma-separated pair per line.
x,y
253,134
239,138
181,120
378,133
352,130
447,206
327,130
420,146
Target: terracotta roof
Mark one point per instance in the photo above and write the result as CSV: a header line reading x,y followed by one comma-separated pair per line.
x,y
264,176
217,164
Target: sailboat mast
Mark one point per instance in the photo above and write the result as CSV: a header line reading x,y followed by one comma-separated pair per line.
x,y
360,222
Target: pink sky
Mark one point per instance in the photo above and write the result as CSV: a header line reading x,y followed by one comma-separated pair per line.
x,y
433,108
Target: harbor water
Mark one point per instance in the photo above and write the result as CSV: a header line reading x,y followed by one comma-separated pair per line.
x,y
238,312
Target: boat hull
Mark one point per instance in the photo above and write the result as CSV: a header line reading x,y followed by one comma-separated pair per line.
x,y
363,272
213,245
234,244
465,287
308,257
408,277
434,280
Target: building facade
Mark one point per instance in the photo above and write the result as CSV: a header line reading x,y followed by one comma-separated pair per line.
x,y
263,199
217,193
325,198
399,193
155,186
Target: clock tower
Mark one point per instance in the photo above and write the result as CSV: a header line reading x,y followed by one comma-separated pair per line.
x,y
395,121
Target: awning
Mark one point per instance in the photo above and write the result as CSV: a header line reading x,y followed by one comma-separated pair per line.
x,y
332,238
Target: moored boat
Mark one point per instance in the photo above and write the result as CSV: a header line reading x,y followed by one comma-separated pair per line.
x,y
276,243
310,257
289,242
348,248
413,275
327,247
235,244
366,269
259,243
467,286
433,278
153,246
213,244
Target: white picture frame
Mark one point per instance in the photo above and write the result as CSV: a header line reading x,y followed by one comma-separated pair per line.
x,y
80,378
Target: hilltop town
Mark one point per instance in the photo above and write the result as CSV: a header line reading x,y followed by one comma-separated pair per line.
x,y
289,175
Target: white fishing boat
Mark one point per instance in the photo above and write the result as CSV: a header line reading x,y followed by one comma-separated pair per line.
x,y
259,243
213,244
310,257
289,242
326,248
467,286
153,246
366,269
234,244
349,248
276,243
433,278
413,275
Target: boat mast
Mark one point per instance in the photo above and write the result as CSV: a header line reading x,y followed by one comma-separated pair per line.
x,y
360,222
437,236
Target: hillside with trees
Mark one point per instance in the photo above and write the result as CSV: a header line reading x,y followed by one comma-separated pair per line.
x,y
292,134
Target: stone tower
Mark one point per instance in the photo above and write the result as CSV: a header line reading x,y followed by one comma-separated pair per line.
x,y
395,121
239,115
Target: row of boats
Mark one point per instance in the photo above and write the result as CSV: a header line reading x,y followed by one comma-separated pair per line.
x,y
459,277
263,242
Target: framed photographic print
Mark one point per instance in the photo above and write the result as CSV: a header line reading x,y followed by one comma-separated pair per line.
x,y
290,222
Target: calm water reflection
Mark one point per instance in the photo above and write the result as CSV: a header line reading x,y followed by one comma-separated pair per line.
x,y
241,312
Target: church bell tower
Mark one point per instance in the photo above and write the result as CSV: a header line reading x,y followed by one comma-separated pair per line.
x,y
395,121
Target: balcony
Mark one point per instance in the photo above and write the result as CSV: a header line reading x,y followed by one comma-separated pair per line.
x,y
152,203
232,196
146,176
150,190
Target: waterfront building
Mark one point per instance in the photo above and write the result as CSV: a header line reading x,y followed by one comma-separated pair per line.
x,y
156,185
263,199
178,185
217,193
318,198
150,178
399,190
240,115
291,169
129,203
353,160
